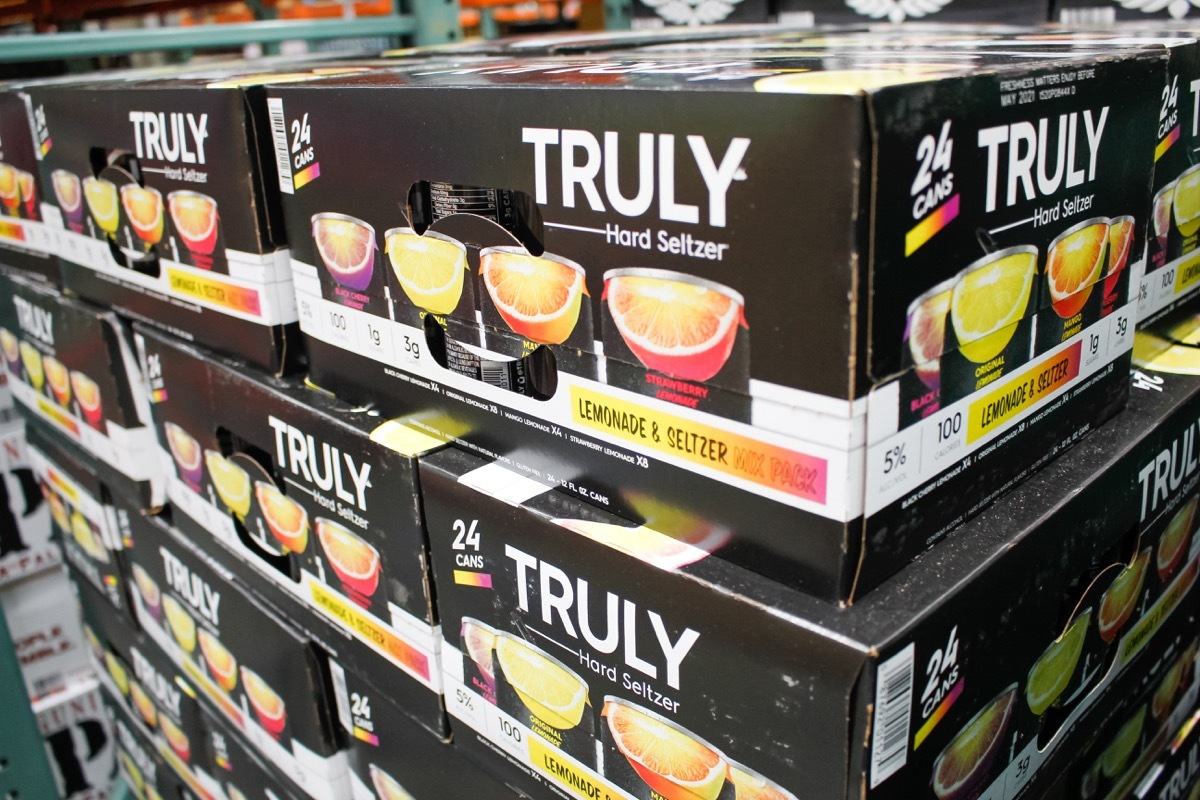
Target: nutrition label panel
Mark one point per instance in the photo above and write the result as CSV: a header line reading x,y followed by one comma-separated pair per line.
x,y
1163,287
904,462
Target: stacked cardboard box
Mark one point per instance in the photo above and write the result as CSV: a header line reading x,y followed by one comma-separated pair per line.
x,y
670,459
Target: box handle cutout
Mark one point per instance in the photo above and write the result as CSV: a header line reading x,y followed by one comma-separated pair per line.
x,y
1082,638
511,209
259,467
534,375
121,169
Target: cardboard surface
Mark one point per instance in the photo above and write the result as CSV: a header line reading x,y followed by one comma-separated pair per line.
x,y
801,406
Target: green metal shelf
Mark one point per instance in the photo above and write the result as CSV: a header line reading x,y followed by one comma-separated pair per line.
x,y
436,22
24,766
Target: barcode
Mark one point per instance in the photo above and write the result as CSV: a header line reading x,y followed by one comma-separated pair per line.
x,y
33,131
893,708
283,161
1092,15
494,373
341,694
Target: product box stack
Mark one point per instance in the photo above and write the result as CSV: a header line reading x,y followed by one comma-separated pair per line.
x,y
637,475
691,435
35,595
226,634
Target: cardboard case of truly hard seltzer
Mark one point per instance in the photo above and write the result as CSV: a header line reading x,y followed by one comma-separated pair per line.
x,y
320,501
1172,264
167,212
761,326
165,703
573,640
241,773
73,369
391,758
138,674
1172,258
26,242
139,762
1177,773
83,516
267,678
1173,241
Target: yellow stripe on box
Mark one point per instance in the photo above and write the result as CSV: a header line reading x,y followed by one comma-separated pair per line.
x,y
306,175
1187,273
481,580
369,630
11,230
729,453
1157,614
61,484
180,768
939,714
215,292
366,736
1168,141
558,768
931,226
1017,394
57,415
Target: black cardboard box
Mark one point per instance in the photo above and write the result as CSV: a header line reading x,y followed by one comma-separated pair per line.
x,y
980,669
312,503
1135,744
26,242
810,377
139,675
391,758
250,665
72,368
81,507
1177,773
167,212
239,773
139,762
